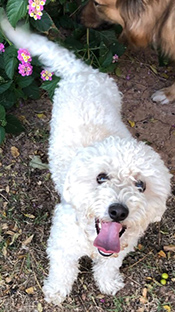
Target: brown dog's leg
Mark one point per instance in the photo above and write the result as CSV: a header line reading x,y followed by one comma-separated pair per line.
x,y
165,95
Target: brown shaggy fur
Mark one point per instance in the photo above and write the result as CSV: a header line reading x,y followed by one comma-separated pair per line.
x,y
144,22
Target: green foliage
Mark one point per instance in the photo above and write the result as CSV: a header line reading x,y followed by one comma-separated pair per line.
x,y
94,47
16,10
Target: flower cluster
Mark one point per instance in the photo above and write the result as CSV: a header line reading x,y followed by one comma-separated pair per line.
x,y
46,75
25,68
35,8
115,58
2,48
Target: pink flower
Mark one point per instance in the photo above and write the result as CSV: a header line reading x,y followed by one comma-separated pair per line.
x,y
24,56
35,8
115,58
2,47
46,75
25,69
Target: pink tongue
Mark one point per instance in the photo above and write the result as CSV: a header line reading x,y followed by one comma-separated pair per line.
x,y
108,239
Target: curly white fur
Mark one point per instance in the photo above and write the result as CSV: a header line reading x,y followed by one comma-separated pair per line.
x,y
87,138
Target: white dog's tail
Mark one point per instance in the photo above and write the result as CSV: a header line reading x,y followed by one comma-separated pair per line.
x,y
56,58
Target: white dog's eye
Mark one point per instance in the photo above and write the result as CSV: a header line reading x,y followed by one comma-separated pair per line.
x,y
102,177
141,186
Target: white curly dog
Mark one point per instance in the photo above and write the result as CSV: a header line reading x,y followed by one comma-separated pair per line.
x,y
111,186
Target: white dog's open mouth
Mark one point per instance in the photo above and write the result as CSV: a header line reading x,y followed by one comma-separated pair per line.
x,y
108,238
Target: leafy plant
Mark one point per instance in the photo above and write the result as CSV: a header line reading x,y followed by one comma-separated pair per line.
x,y
57,20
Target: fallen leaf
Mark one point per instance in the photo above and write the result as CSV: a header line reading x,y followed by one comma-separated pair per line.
x,y
162,254
153,68
132,123
144,292
164,75
100,296
23,119
9,167
39,307
143,300
4,251
30,216
153,120
41,116
8,279
4,214
27,241
4,226
118,72
36,163
141,309
14,151
149,278
10,233
140,247
30,290
14,238
167,308
7,189
169,248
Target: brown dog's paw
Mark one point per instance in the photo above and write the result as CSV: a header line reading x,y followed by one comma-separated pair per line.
x,y
165,95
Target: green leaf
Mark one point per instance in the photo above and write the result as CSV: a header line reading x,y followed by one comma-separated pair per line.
x,y
117,48
1,61
32,91
5,86
70,7
2,113
24,81
35,61
65,22
8,99
16,9
108,69
62,1
50,86
36,162
10,61
1,10
106,60
2,134
108,36
72,43
1,37
43,24
19,94
13,126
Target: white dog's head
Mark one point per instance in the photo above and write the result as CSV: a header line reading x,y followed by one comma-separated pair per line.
x,y
119,186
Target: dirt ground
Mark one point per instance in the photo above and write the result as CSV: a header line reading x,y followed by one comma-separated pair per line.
x,y
27,199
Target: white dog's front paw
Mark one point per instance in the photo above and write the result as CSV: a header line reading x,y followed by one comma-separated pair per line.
x,y
110,286
52,296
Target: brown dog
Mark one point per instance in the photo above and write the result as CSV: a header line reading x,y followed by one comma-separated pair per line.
x,y
144,22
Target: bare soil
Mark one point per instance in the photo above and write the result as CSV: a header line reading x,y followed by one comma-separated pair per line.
x,y
27,199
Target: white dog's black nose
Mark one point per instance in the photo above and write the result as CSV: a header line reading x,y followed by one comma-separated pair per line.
x,y
118,212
